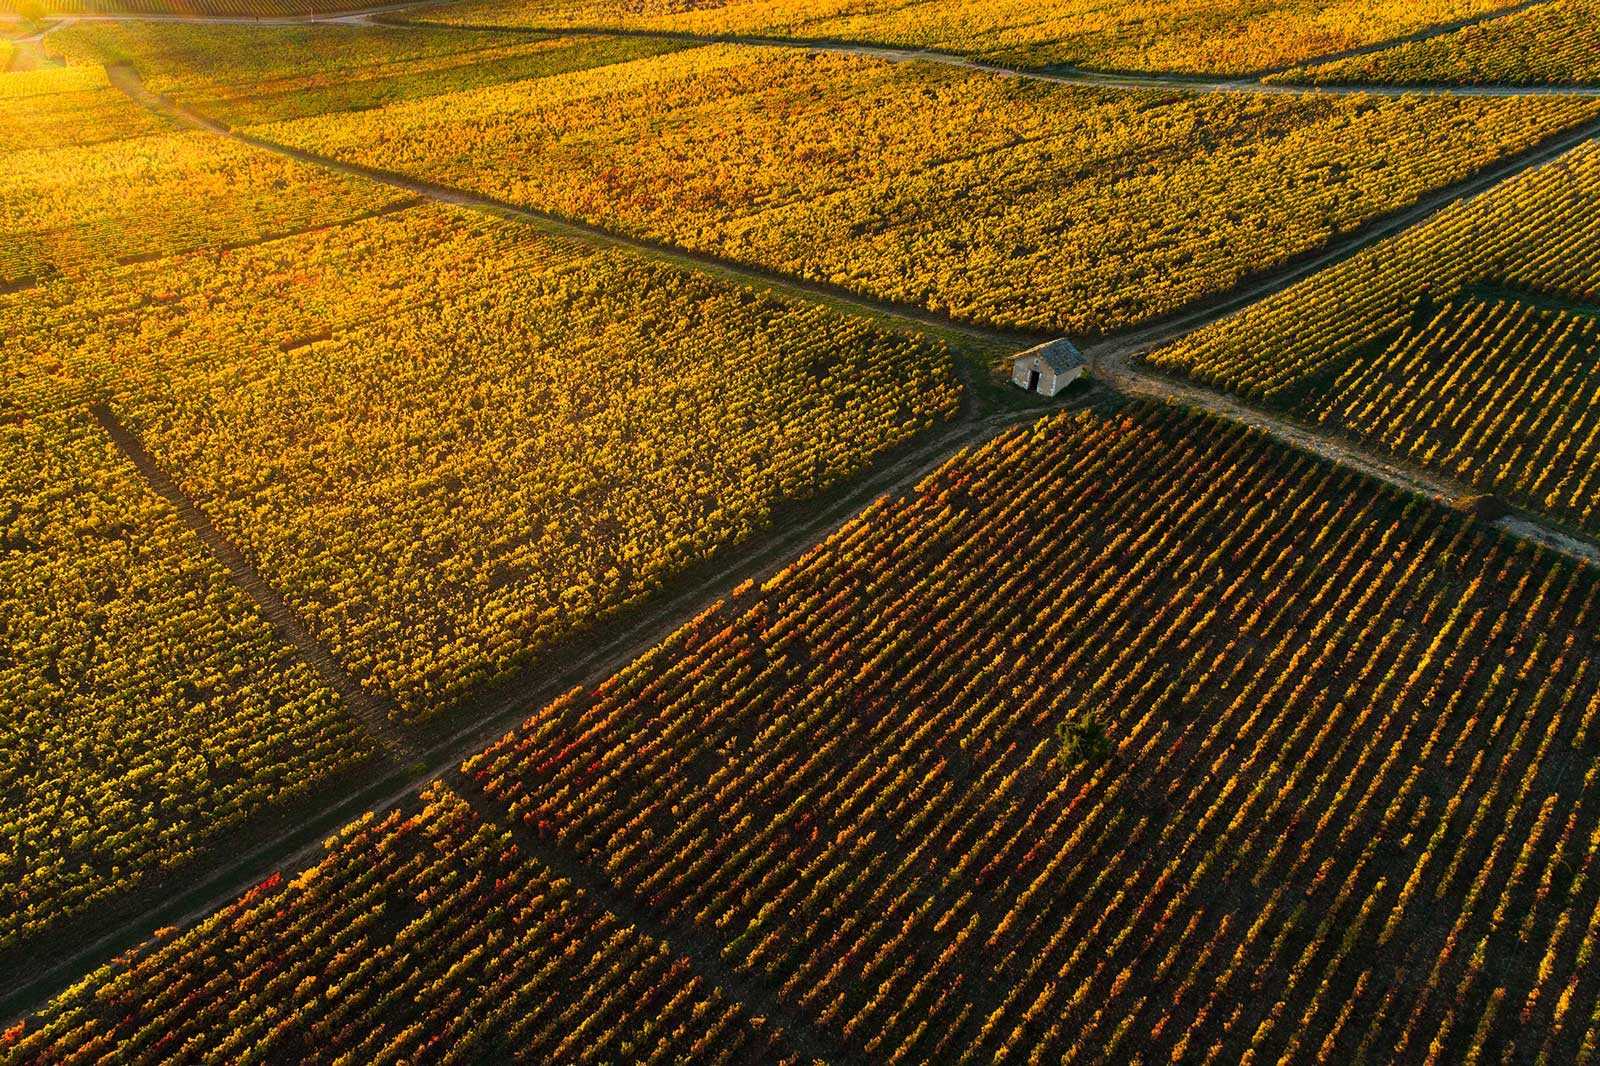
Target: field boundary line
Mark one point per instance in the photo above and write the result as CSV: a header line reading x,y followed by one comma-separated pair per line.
x,y
683,939
1251,83
126,78
371,712
1443,29
335,15
1110,357
1342,451
300,844
1246,85
1160,330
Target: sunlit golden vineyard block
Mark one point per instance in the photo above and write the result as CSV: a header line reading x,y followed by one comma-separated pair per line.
x,y
60,107
243,75
149,711
999,201
92,179
78,209
452,443
1554,43
421,905
1219,36
227,8
1467,344
1350,810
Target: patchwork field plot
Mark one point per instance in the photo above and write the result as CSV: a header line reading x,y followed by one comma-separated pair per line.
x,y
67,107
485,345
243,9
1555,43
92,179
1213,36
426,905
450,443
75,210
999,201
149,710
1345,810
1468,345
243,75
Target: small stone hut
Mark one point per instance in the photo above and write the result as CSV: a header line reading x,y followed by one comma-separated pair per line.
x,y
1049,368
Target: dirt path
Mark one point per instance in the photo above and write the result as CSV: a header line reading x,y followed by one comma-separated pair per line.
x,y
379,15
753,994
1111,359
1118,372
300,845
371,713
1248,86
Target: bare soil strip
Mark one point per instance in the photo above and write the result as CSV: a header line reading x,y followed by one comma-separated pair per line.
x,y
1347,452
1247,86
371,712
759,1000
1113,360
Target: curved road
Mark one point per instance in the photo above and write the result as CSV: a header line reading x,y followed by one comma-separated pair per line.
x,y
1253,85
1112,361
892,53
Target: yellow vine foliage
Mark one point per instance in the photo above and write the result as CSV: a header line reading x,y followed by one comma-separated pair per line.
x,y
452,444
92,179
75,209
149,709
227,8
57,107
1021,204
1201,36
1468,344
1555,43
244,74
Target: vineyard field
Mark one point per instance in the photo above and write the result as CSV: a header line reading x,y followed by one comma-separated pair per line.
x,y
1346,809
246,75
67,107
76,211
452,443
149,709
1012,203
1205,36
427,906
93,179
800,532
240,9
1467,345
1556,43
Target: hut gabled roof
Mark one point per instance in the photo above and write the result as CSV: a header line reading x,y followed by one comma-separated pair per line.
x,y
1059,355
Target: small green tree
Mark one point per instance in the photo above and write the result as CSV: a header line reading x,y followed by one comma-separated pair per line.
x,y
1083,738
